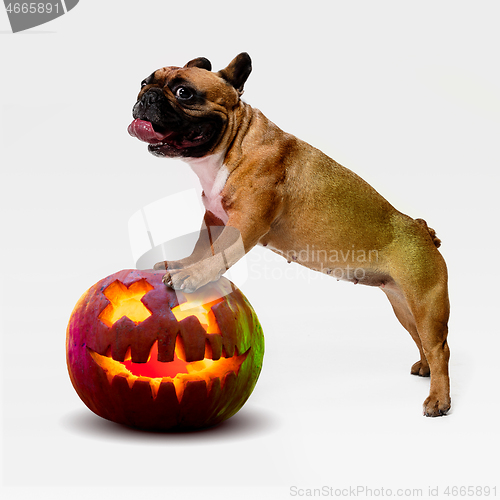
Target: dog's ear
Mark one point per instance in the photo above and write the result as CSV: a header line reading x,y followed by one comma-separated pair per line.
x,y
200,62
238,71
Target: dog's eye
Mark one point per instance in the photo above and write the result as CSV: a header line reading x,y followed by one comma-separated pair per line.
x,y
147,81
183,93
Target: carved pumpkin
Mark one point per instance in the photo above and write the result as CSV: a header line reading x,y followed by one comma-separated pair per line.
x,y
143,355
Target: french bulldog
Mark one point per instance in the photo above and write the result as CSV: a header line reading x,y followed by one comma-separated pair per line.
x,y
263,186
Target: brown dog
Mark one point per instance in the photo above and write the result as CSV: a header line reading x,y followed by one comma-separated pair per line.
x,y
264,186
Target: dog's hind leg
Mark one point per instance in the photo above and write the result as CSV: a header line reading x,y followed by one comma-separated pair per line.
x,y
431,313
419,296
405,317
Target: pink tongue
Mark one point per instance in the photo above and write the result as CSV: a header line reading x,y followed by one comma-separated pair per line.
x,y
144,131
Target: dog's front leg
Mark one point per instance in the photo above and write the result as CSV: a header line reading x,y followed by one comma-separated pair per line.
x,y
210,231
249,219
217,258
245,227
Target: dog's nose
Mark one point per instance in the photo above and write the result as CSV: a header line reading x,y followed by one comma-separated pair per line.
x,y
152,96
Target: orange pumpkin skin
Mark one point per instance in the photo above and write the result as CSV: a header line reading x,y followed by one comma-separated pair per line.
x,y
107,356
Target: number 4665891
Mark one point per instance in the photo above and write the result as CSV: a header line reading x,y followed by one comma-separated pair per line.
x,y
32,8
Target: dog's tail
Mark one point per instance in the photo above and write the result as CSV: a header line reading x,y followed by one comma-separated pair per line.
x,y
432,233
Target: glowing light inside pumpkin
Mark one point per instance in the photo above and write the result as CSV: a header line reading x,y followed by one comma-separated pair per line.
x,y
203,311
154,368
125,301
177,372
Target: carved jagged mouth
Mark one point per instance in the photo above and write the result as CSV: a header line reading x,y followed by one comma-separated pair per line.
x,y
177,372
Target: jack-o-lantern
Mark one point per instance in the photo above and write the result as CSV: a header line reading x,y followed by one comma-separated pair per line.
x,y
144,355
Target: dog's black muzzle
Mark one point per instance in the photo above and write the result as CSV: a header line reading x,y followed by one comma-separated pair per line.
x,y
154,107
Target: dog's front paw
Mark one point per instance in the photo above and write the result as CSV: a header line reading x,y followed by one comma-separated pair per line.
x,y
188,279
435,407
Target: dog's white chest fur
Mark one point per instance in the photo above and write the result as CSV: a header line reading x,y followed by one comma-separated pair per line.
x,y
213,175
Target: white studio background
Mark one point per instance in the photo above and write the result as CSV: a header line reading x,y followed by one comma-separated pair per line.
x,y
403,93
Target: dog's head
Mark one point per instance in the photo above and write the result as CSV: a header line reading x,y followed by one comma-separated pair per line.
x,y
185,112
